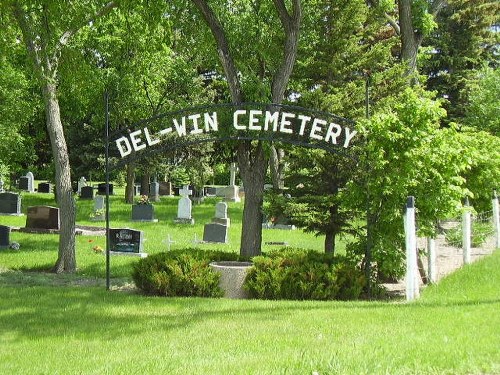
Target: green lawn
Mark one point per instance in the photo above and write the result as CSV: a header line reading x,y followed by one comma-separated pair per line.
x,y
61,325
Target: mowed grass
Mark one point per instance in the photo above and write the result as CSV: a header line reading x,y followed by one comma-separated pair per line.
x,y
453,329
40,251
52,324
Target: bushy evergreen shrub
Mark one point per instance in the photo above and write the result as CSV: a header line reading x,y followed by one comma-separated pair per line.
x,y
299,274
183,272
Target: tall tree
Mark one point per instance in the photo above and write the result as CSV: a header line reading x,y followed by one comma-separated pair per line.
x,y
466,39
46,29
252,158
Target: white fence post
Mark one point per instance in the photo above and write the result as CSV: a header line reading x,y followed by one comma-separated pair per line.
x,y
466,231
412,285
431,260
496,219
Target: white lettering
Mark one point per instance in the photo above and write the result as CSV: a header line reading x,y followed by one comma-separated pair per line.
x,y
348,136
285,123
149,140
136,142
304,120
331,134
181,128
271,118
165,131
235,119
196,129
211,122
254,120
123,141
315,128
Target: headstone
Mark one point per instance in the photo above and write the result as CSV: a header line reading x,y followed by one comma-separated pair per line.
x,y
44,187
165,188
126,240
214,232
137,190
154,191
4,236
42,217
232,192
81,183
101,189
87,192
184,207
143,212
1,186
99,202
10,204
27,182
210,191
221,214
31,182
99,210
232,174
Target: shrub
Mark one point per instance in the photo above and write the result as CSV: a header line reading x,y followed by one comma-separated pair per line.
x,y
183,272
299,274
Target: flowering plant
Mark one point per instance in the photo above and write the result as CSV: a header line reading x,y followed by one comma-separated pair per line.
x,y
96,214
97,249
143,199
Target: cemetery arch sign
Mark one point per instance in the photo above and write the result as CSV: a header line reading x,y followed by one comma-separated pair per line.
x,y
225,122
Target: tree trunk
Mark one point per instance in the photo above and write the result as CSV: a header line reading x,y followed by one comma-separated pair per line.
x,y
410,39
130,188
277,167
66,261
253,166
145,183
330,243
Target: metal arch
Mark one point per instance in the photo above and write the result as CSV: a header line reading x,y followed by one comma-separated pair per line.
x,y
186,141
178,145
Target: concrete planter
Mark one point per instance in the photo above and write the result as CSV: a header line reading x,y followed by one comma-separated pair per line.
x,y
232,278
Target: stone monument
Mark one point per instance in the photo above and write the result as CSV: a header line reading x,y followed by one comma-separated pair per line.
x,y
185,206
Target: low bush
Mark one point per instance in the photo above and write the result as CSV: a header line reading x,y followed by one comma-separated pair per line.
x,y
183,272
299,275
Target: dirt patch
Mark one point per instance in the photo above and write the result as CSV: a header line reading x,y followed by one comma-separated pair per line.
x,y
448,260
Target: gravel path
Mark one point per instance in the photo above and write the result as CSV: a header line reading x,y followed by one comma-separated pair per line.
x,y
448,260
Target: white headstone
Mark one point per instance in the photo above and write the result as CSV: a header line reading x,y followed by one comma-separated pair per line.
x,y
221,210
221,214
81,183
1,185
31,182
232,178
185,206
99,202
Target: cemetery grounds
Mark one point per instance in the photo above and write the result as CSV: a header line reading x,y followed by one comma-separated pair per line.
x,y
70,324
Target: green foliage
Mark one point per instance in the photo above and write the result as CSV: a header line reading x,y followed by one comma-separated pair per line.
x,y
483,111
183,272
479,234
407,153
298,274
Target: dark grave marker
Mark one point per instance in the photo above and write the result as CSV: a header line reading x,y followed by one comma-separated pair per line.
x,y
126,240
214,232
42,217
87,192
4,237
10,204
44,187
101,189
165,188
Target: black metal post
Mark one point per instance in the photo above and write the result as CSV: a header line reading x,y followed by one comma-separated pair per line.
x,y
106,100
369,238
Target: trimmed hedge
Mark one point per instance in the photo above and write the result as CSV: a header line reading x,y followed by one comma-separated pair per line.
x,y
283,274
183,272
300,275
